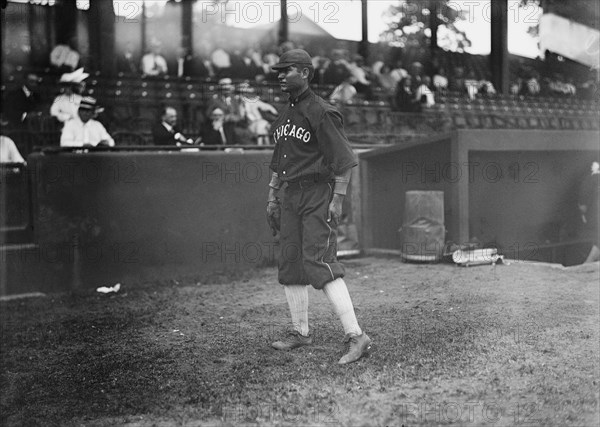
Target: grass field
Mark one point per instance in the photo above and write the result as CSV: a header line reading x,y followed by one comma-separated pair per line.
x,y
506,345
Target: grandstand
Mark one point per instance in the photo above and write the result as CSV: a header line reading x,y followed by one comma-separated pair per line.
x,y
43,212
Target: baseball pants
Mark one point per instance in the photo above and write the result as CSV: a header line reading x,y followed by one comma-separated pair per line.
x,y
308,243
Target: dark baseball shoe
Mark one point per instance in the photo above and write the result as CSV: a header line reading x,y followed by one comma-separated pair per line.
x,y
293,340
359,344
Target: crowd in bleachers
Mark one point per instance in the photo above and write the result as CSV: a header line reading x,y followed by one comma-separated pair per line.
x,y
223,81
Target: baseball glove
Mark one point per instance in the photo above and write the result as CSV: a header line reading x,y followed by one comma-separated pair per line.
x,y
274,215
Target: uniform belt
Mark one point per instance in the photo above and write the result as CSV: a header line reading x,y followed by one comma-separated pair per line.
x,y
306,183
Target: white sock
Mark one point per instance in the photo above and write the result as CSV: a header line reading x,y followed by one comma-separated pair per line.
x,y
337,293
297,298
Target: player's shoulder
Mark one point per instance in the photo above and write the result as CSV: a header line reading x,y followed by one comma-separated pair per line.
x,y
320,106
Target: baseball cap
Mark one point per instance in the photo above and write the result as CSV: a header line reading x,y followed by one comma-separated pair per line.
x,y
293,57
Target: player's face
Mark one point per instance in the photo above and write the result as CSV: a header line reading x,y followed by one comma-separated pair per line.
x,y
291,79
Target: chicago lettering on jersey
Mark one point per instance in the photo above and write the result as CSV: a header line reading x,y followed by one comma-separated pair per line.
x,y
289,130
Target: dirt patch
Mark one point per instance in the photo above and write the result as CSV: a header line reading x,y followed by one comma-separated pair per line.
x,y
503,345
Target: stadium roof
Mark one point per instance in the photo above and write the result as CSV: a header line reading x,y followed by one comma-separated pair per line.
x,y
586,12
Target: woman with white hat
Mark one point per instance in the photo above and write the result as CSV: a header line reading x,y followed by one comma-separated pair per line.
x,y
66,104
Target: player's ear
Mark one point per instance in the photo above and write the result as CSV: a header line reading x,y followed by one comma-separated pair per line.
x,y
305,73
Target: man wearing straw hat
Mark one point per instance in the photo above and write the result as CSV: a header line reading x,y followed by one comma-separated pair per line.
x,y
83,130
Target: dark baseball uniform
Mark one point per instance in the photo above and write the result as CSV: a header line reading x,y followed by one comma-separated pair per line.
x,y
310,149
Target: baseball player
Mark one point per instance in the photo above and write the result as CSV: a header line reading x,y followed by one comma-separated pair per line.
x,y
311,169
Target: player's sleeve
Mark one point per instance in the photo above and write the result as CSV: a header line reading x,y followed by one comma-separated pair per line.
x,y
334,144
274,166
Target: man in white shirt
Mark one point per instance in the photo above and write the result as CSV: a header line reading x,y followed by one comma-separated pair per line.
x,y
398,73
221,61
83,130
258,126
440,81
9,153
423,94
153,63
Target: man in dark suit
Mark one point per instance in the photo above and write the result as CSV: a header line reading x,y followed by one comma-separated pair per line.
x,y
217,131
189,65
166,132
21,102
127,61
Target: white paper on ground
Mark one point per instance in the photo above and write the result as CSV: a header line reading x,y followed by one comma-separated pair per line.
x,y
475,257
108,290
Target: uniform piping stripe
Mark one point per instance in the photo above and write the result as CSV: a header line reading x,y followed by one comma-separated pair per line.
x,y
328,243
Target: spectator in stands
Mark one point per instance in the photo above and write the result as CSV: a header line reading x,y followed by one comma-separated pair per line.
x,y
233,107
216,131
385,80
269,59
471,85
190,65
405,98
9,153
238,69
516,87
589,88
166,132
221,61
440,81
532,85
398,72
423,94
243,66
320,64
337,70
416,70
126,61
345,91
362,76
84,130
570,88
254,108
66,104
21,102
377,65
254,63
457,81
587,202
486,87
182,62
558,86
203,50
64,58
153,63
